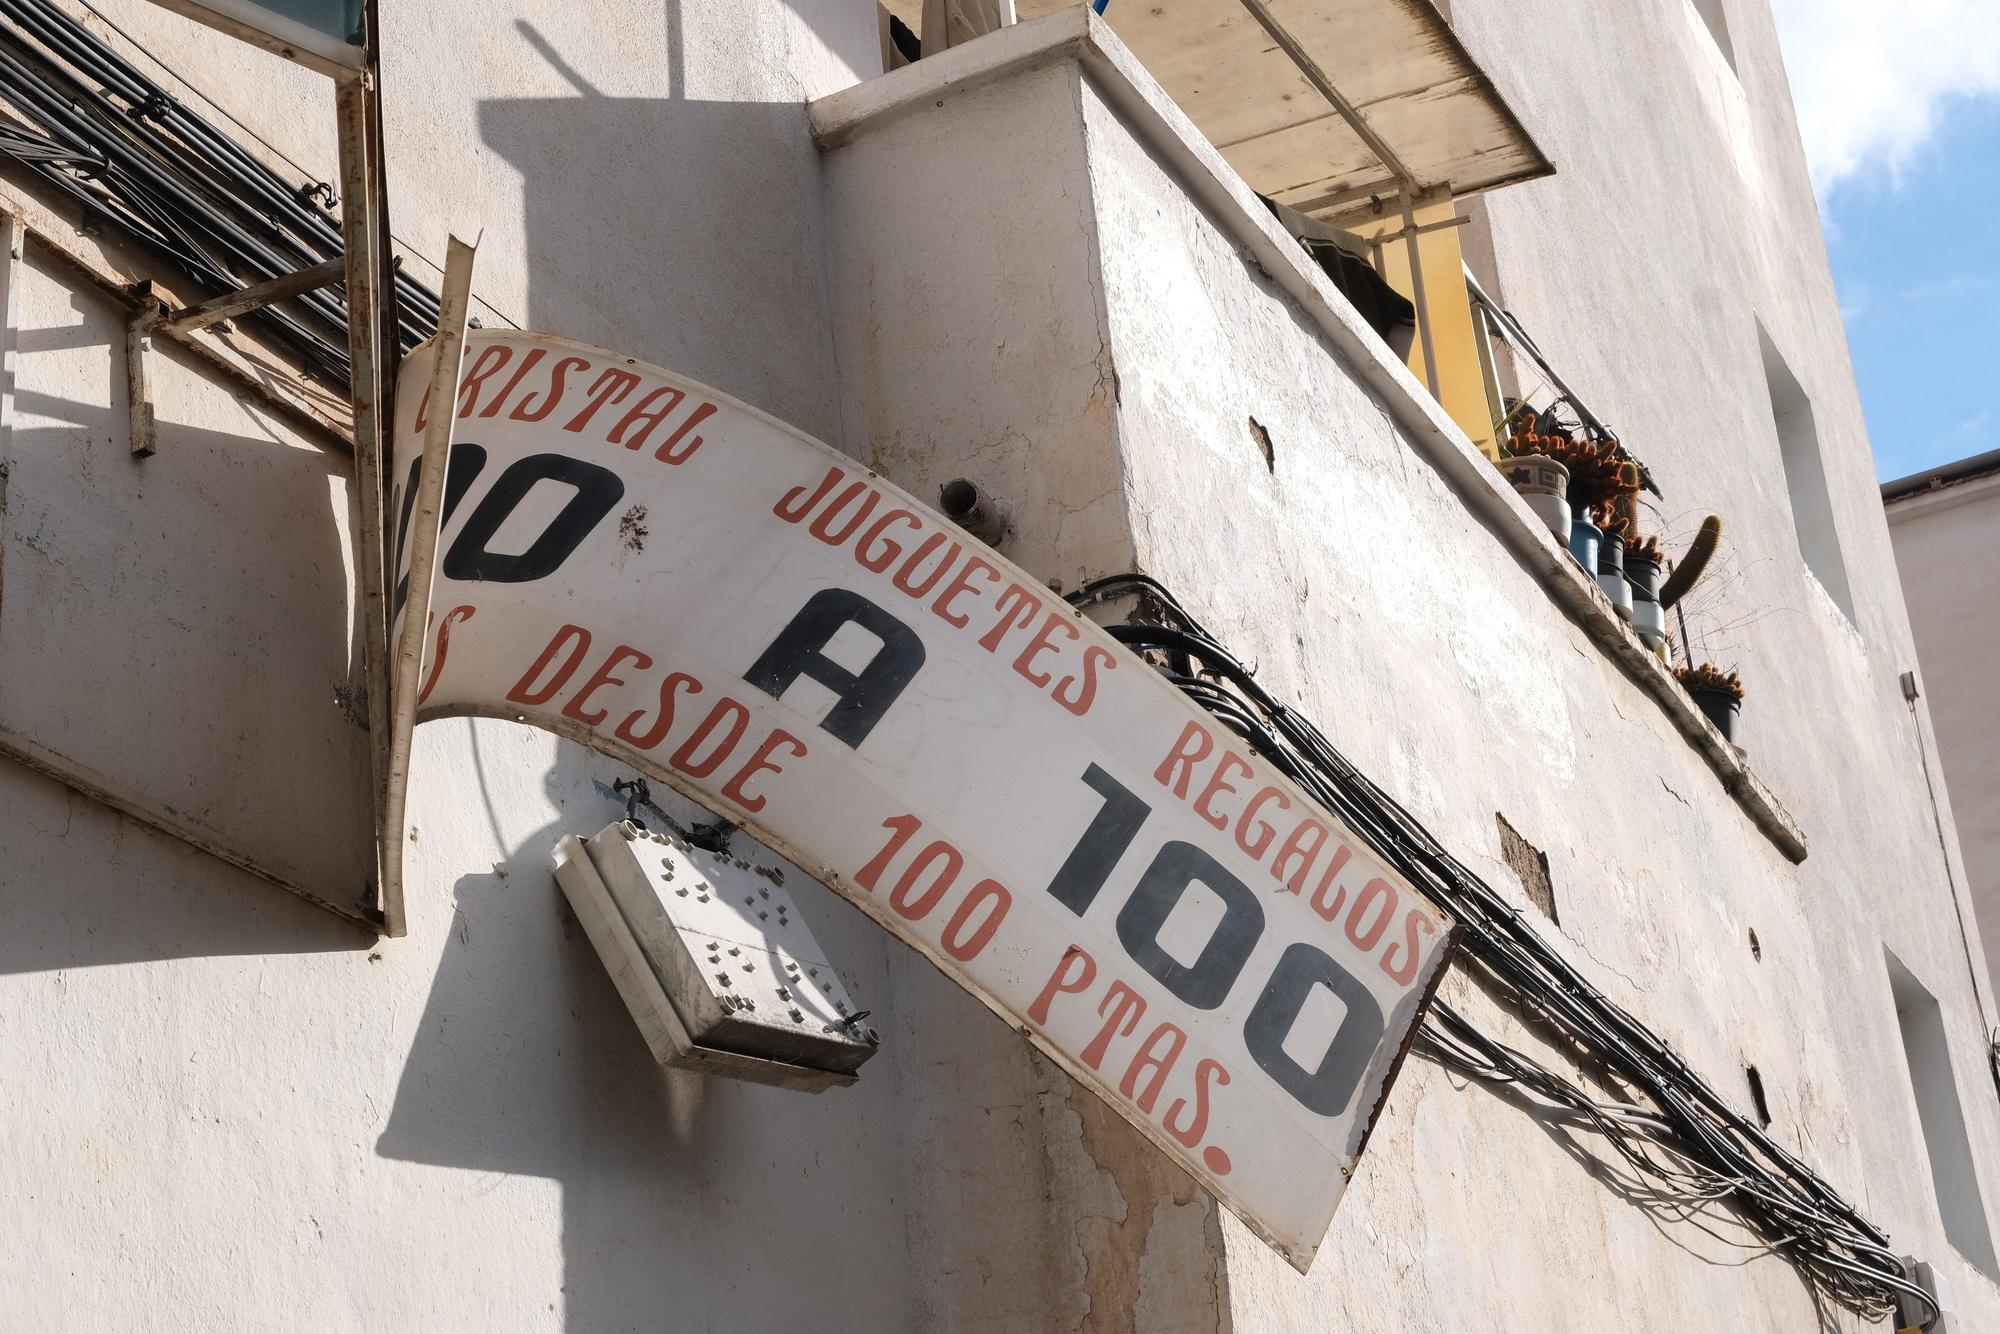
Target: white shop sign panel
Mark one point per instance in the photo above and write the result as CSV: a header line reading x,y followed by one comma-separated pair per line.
x,y
682,582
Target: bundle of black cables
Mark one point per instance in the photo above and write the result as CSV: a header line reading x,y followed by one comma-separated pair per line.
x,y
124,151
1678,1145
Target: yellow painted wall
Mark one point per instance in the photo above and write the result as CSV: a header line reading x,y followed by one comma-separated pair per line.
x,y
1461,385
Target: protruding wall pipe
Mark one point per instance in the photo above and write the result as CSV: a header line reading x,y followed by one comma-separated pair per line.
x,y
973,510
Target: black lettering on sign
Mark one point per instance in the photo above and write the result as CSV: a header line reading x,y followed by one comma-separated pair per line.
x,y
1111,832
1327,1088
1206,982
467,461
594,491
800,650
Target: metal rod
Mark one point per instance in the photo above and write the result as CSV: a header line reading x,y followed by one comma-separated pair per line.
x,y
367,393
1318,79
139,326
1417,292
1372,190
1519,338
448,352
222,308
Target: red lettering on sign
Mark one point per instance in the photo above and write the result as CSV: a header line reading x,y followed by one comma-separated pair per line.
x,y
451,618
1041,644
795,504
1150,1056
1254,844
886,554
1074,972
760,762
930,559
673,450
903,580
527,364
643,416
569,634
961,584
1127,1006
727,712
1304,842
610,387
1404,973
670,684
1025,607
1206,1071
1193,747
491,359
1094,657
523,413
1329,908
822,527
579,702
1218,783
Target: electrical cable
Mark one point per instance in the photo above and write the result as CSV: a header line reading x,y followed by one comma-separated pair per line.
x,y
125,151
1677,1142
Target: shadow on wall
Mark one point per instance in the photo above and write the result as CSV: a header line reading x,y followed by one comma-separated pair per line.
x,y
688,1203
91,912
687,232
129,638
684,231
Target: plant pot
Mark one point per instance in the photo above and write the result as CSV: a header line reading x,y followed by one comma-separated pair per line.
x,y
1544,484
1611,574
1720,707
1649,620
1583,539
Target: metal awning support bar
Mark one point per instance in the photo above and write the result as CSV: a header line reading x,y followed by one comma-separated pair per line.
x,y
1417,291
1400,174
149,317
250,298
1316,76
454,310
371,377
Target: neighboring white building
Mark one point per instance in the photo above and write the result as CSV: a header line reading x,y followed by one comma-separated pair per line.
x,y
1945,522
1018,261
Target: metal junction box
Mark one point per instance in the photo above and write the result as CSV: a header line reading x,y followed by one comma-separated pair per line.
x,y
713,959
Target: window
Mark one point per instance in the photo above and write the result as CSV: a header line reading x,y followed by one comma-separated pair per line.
x,y
1953,1177
1805,476
1712,18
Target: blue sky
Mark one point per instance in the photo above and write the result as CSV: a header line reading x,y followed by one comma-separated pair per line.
x,y
1919,282
1901,122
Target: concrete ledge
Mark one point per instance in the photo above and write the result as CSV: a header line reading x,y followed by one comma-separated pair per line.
x,y
1077,34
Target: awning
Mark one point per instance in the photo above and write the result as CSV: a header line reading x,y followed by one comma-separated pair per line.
x,y
1324,104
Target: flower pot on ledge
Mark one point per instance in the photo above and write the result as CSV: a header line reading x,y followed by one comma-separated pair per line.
x,y
1721,708
1544,484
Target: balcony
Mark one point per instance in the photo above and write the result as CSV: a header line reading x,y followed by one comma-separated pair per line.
x,y
1050,281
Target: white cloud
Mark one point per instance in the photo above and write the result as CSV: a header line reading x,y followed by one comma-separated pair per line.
x,y
1947,289
1870,78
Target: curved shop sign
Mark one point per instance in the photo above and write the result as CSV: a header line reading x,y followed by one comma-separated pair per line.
x,y
677,580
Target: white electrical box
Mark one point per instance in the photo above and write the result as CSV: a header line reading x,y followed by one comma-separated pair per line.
x,y
713,959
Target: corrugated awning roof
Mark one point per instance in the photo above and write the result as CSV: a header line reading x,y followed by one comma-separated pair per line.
x,y
1396,63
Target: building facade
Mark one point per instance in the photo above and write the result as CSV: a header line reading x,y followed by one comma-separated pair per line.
x,y
1947,535
1018,261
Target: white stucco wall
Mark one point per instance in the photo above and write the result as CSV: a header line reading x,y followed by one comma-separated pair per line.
x,y
1354,575
226,1108
1947,547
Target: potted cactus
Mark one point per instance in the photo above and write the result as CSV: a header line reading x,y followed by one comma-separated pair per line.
x,y
1600,475
1718,694
1643,559
1616,530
